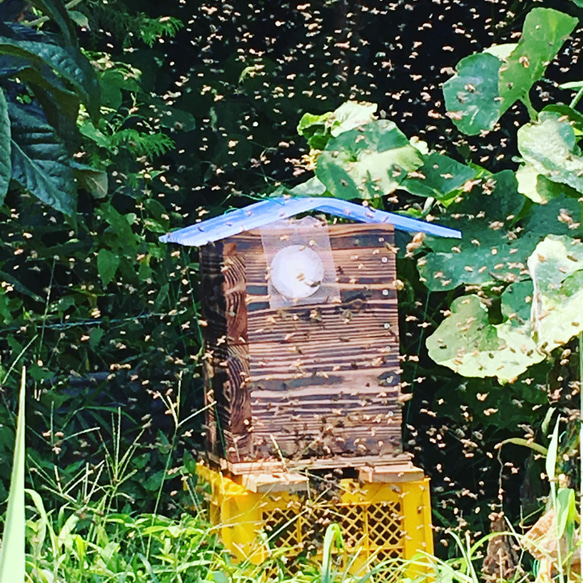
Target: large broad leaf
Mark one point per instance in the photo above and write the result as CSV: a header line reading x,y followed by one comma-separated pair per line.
x,y
467,343
538,187
543,34
472,98
311,187
5,164
40,163
488,84
556,268
68,63
489,251
317,129
560,216
367,162
440,177
550,146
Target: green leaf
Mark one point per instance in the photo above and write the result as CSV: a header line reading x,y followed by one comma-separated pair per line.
x,y
68,63
559,216
538,187
487,84
5,164
311,187
125,240
40,162
575,118
351,115
566,511
177,119
13,558
317,129
550,146
467,343
107,264
79,18
543,34
472,98
440,177
92,180
502,51
556,269
332,538
367,162
313,128
489,251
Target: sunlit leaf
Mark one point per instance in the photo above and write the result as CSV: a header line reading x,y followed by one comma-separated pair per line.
x,y
543,34
550,146
317,129
12,557
469,344
368,162
556,268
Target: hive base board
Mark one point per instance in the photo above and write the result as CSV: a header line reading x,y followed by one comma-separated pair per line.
x,y
337,462
379,521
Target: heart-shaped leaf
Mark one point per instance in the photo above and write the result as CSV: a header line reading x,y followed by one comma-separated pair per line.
x,y
472,98
469,344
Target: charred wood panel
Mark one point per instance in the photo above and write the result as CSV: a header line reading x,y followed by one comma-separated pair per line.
x,y
310,380
223,292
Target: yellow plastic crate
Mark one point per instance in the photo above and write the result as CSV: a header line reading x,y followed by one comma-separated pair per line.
x,y
378,520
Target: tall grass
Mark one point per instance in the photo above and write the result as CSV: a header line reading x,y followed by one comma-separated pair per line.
x,y
12,559
87,541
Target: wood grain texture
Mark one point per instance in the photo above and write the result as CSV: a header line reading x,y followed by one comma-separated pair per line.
x,y
223,289
309,381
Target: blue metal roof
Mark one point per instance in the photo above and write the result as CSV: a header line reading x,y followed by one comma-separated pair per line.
x,y
275,209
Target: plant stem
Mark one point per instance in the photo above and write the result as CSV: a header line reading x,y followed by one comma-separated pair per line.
x,y
577,98
532,112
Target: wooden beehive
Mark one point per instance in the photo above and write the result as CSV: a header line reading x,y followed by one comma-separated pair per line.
x,y
316,379
308,371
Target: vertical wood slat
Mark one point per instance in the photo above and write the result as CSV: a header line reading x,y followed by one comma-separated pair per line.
x,y
223,293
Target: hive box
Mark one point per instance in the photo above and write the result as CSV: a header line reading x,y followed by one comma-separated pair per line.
x,y
301,332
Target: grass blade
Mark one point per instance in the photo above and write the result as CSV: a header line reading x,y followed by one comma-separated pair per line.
x,y
12,560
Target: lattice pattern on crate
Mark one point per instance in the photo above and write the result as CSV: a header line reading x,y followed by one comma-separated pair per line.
x,y
281,527
385,525
377,527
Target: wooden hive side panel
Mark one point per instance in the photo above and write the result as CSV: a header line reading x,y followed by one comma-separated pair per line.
x,y
223,308
324,377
